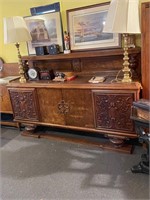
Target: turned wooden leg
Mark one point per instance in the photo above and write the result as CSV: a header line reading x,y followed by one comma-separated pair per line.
x,y
117,143
30,127
30,131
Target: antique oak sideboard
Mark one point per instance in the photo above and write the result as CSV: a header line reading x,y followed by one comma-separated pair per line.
x,y
9,69
103,108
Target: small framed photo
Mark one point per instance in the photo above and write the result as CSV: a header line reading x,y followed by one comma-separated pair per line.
x,y
85,27
45,30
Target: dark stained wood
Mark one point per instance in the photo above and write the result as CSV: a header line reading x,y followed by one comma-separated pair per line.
x,y
112,110
84,54
24,103
145,53
108,61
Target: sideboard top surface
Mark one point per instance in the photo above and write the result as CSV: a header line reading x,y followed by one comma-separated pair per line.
x,y
81,82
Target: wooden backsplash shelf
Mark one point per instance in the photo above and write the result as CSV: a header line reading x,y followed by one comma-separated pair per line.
x,y
85,54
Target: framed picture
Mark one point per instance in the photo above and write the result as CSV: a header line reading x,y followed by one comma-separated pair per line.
x,y
45,30
85,27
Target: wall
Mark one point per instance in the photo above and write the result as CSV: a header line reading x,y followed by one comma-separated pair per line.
x,y
22,8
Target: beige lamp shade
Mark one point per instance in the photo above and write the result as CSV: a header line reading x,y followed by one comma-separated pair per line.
x,y
123,17
15,30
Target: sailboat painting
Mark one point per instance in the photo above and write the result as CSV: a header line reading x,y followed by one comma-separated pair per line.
x,y
86,28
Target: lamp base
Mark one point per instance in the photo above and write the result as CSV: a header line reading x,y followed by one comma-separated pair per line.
x,y
126,76
126,70
22,79
126,80
21,67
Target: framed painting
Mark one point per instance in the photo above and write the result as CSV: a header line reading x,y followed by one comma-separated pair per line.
x,y
85,27
45,30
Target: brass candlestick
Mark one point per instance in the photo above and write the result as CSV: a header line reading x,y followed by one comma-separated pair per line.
x,y
126,70
21,68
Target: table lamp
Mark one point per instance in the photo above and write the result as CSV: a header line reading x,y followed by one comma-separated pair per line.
x,y
123,17
15,31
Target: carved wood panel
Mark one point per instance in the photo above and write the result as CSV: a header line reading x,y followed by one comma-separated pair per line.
x,y
113,110
24,104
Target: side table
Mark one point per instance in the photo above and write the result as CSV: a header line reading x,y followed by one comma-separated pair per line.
x,y
141,117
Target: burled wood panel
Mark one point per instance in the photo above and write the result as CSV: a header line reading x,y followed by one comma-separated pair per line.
x,y
50,101
80,112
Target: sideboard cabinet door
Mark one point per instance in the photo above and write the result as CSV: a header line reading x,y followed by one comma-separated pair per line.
x,y
24,104
66,107
79,109
50,106
113,110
